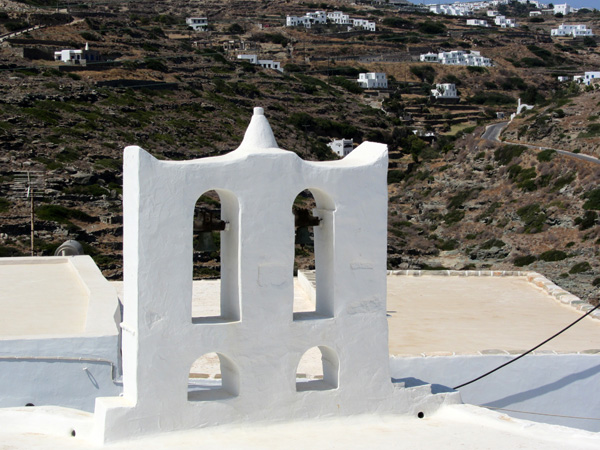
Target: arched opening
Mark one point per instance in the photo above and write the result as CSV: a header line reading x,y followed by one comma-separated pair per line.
x,y
213,376
215,258
318,370
313,255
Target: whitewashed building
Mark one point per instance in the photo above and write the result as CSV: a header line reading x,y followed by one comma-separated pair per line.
x,y
342,147
492,13
457,58
197,23
451,10
372,80
445,91
77,56
563,9
571,30
307,20
339,18
503,22
477,23
264,63
367,25
589,77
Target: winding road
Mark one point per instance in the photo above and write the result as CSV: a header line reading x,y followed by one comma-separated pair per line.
x,y
492,133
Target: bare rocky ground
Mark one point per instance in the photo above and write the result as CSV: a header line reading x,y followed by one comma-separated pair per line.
x,y
459,202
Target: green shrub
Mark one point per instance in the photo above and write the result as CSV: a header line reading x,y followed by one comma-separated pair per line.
x,y
532,62
235,28
275,38
425,73
94,190
108,163
61,214
492,243
588,220
432,27
562,182
457,200
491,99
42,114
155,64
553,255
593,130
88,36
397,22
395,176
592,199
476,69
447,245
15,26
4,205
6,251
521,261
454,216
546,155
309,123
596,282
349,85
532,217
507,153
580,268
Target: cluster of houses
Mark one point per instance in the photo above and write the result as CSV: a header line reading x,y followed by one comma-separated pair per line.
x,y
572,30
321,18
469,8
457,58
499,20
587,78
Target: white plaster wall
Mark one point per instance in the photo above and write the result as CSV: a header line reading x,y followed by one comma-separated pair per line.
x,y
50,369
565,385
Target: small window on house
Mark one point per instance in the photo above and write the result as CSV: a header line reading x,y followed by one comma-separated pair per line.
x,y
318,370
215,258
313,255
213,376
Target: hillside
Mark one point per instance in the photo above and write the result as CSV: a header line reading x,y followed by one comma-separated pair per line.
x,y
456,202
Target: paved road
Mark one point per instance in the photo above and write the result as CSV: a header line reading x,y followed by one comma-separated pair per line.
x,y
492,133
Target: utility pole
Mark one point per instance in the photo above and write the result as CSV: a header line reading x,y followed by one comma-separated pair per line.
x,y
29,185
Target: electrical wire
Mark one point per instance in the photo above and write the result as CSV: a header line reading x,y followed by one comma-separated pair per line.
x,y
528,351
538,414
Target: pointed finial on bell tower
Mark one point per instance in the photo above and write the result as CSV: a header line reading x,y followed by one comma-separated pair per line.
x,y
259,135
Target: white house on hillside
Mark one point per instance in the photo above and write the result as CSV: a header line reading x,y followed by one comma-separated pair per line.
x,y
77,56
339,18
264,63
197,23
572,30
445,91
563,9
587,78
503,22
368,25
307,20
457,58
372,80
342,147
477,23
